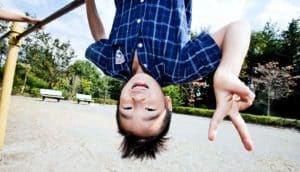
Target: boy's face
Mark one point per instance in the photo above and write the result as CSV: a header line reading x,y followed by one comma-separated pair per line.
x,y
142,106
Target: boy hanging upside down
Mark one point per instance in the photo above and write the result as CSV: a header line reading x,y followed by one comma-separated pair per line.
x,y
149,47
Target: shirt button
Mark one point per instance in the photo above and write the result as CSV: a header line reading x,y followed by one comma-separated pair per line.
x,y
140,45
142,1
138,20
145,65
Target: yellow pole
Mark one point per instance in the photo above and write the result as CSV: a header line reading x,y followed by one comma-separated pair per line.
x,y
8,77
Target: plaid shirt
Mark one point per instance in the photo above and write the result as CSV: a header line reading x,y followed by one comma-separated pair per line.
x,y
159,31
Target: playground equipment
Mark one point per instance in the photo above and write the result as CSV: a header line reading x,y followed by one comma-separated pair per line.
x,y
15,36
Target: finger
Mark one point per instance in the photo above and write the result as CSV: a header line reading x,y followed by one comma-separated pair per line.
x,y
215,121
239,88
222,110
236,97
242,129
244,104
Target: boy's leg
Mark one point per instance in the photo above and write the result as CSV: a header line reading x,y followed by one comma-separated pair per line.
x,y
231,94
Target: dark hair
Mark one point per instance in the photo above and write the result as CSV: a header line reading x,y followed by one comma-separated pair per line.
x,y
144,147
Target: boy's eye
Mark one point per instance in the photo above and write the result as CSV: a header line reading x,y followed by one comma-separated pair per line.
x,y
127,108
150,109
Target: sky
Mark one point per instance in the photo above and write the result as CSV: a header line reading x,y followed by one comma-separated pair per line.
x,y
211,14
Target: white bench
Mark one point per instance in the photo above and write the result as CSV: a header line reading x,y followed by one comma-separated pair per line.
x,y
83,98
54,94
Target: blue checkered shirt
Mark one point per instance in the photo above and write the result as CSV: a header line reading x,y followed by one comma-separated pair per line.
x,y
158,30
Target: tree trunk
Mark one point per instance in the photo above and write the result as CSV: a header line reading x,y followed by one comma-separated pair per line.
x,y
269,97
75,84
25,80
0,61
105,94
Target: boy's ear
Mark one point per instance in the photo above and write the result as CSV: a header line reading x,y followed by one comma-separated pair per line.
x,y
168,102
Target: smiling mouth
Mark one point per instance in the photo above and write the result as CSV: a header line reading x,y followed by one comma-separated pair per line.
x,y
140,85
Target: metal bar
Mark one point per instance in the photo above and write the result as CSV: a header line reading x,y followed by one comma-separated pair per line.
x,y
15,35
5,35
53,16
8,77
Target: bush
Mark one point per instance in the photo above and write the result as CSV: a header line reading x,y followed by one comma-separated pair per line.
x,y
194,111
174,92
36,82
107,101
16,90
258,119
35,92
273,121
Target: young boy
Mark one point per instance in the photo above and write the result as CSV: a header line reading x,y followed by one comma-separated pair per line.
x,y
149,47
12,16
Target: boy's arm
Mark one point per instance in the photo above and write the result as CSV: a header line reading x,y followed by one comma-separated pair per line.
x,y
12,16
231,93
95,23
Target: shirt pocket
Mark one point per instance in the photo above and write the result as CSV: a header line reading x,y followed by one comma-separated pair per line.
x,y
118,63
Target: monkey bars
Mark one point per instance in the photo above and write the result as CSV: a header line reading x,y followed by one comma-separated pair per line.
x,y
15,36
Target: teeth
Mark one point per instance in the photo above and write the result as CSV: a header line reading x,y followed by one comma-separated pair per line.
x,y
139,85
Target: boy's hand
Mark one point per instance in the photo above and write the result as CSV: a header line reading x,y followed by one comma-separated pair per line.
x,y
31,20
231,96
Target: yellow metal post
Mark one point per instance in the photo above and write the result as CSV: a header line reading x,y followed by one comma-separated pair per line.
x,y
8,77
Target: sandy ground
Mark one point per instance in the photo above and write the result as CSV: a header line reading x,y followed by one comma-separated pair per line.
x,y
67,137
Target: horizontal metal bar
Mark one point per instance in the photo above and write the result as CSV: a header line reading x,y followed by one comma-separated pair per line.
x,y
55,15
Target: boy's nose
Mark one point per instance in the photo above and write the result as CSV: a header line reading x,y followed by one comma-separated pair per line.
x,y
138,97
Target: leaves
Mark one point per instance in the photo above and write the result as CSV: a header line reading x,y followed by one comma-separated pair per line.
x,y
175,93
275,79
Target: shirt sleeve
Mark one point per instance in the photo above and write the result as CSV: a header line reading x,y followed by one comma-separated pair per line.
x,y
100,53
202,56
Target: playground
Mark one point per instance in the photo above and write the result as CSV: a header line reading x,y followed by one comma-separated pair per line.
x,y
62,135
66,136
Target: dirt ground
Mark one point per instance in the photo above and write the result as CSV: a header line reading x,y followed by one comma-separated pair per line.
x,y
50,136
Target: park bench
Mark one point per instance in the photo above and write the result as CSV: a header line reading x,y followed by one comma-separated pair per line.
x,y
54,94
83,98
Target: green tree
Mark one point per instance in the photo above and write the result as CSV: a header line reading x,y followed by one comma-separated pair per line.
x,y
291,44
282,47
48,57
264,47
86,86
114,87
174,91
3,43
84,78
